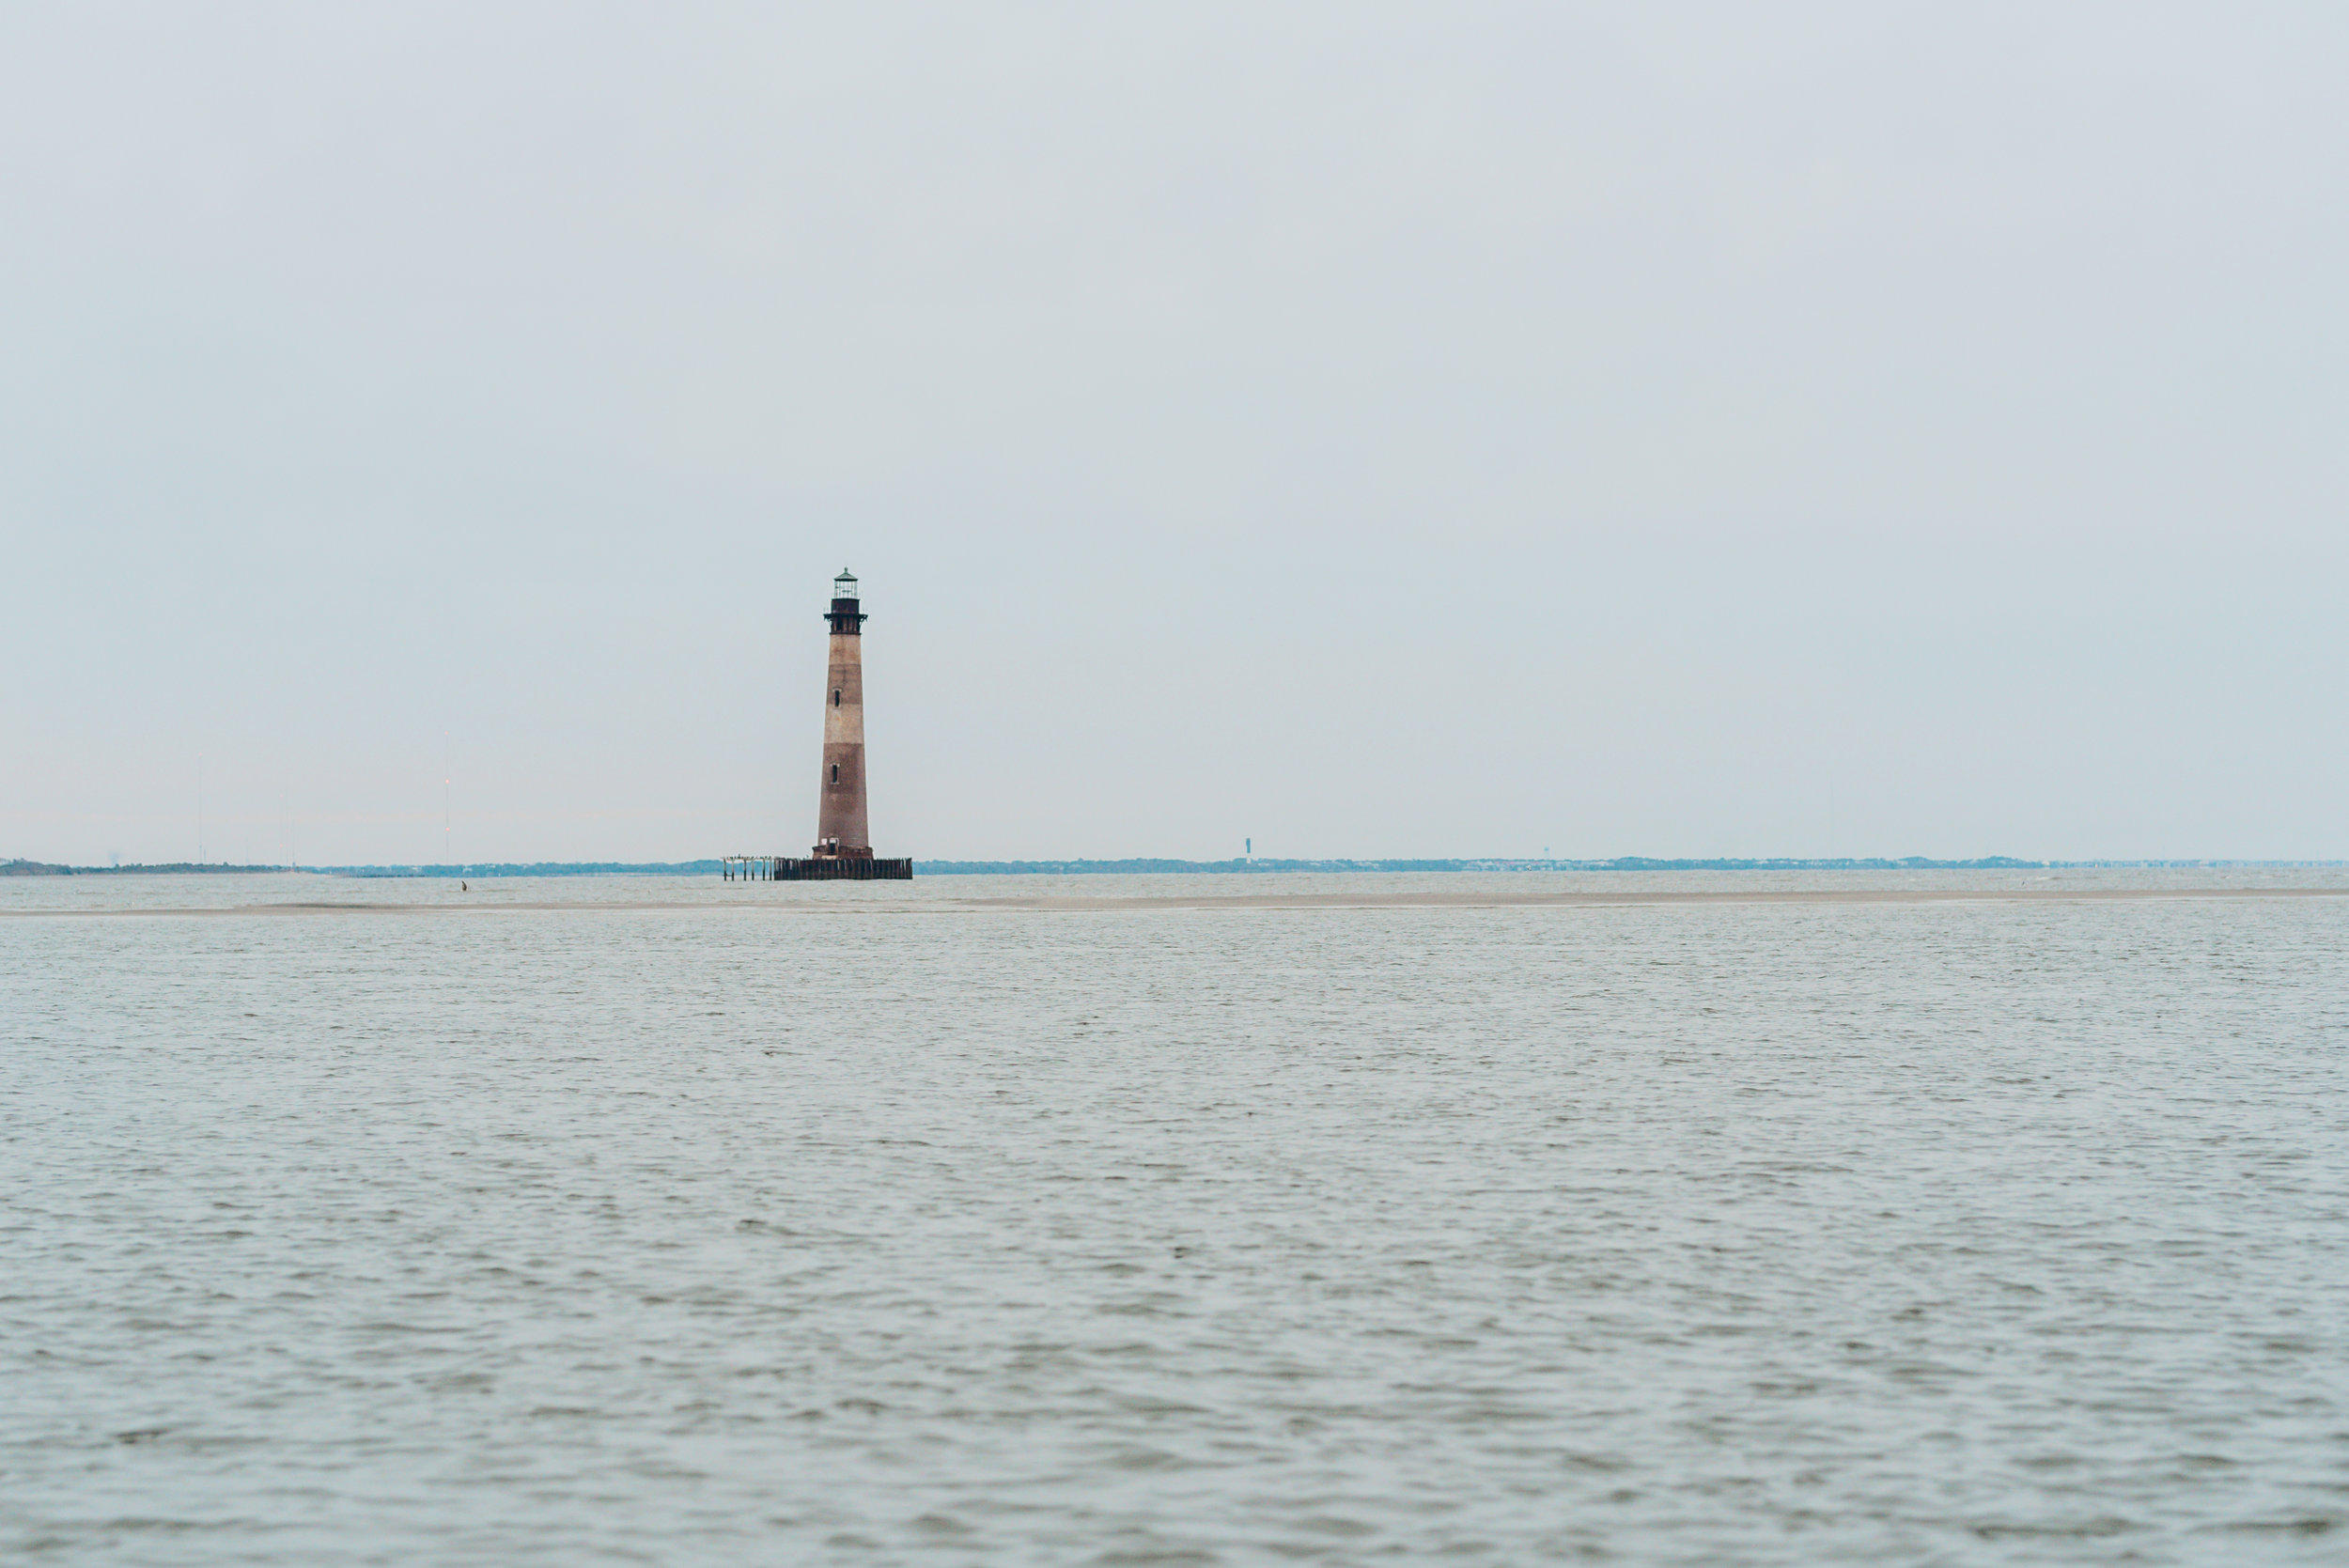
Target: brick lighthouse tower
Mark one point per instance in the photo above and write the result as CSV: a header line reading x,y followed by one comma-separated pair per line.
x,y
844,839
840,828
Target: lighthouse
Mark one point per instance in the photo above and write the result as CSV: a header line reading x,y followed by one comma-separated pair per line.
x,y
840,825
844,835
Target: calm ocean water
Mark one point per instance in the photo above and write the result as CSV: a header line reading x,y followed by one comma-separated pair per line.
x,y
879,1225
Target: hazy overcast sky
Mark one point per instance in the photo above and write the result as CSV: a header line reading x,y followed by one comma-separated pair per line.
x,y
1676,430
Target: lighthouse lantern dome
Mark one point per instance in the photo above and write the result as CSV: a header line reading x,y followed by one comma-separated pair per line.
x,y
844,586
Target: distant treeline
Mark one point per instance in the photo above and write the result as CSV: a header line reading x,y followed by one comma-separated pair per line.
x,y
41,868
532,868
1132,867
1625,862
1620,862
502,868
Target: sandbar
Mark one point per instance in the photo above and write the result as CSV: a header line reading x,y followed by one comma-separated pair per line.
x,y
1078,903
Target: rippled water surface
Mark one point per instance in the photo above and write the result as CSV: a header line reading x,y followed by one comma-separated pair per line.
x,y
869,1224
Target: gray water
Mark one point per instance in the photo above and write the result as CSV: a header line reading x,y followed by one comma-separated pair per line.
x,y
873,1225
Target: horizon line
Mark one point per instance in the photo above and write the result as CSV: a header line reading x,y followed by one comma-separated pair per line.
x,y
1081,865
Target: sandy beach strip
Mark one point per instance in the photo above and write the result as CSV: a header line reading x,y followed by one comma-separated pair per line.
x,y
1078,903
1438,900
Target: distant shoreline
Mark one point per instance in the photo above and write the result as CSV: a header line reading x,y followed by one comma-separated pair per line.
x,y
1161,867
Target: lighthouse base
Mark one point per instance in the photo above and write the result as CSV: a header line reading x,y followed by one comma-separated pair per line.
x,y
846,868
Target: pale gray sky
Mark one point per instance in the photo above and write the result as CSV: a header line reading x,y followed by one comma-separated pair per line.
x,y
1373,429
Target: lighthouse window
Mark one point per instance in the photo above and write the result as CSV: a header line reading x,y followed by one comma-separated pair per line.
x,y
835,697
836,772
